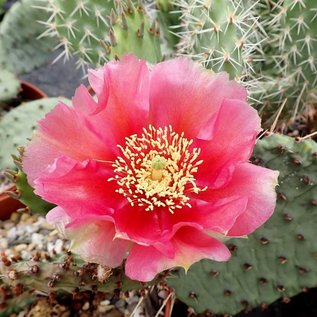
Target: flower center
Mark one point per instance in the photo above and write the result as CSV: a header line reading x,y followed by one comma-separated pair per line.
x,y
157,169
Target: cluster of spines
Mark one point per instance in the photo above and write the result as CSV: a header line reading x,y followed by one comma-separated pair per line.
x,y
220,34
289,59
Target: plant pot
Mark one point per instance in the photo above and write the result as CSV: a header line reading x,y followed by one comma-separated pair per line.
x,y
8,204
31,92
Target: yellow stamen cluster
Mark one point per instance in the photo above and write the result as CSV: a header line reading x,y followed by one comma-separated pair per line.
x,y
157,169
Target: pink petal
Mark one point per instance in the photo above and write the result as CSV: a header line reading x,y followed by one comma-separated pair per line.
x,y
138,225
96,242
186,96
57,215
215,216
84,103
62,132
191,245
82,187
232,142
126,110
98,80
256,183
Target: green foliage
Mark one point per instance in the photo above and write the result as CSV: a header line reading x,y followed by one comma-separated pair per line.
x,y
97,31
18,125
9,86
20,48
278,259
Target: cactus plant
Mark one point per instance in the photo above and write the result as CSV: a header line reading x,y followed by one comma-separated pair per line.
x,y
20,50
63,273
221,34
279,259
289,60
18,124
9,86
97,31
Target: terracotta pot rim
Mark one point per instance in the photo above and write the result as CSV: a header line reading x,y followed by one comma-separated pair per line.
x,y
34,89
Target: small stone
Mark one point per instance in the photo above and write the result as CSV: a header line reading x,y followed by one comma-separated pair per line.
x,y
105,308
162,294
20,247
86,306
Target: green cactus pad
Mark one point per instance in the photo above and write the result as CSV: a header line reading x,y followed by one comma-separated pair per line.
x,y
18,124
221,34
96,31
21,50
289,59
9,86
67,273
277,260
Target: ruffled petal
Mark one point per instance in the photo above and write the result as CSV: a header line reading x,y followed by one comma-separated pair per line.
x,y
190,244
82,187
99,82
94,239
187,97
233,139
258,184
125,111
215,216
96,242
62,133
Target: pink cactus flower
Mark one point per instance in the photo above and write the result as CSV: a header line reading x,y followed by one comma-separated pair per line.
x,y
155,169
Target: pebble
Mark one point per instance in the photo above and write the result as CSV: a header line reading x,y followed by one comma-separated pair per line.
x,y
86,306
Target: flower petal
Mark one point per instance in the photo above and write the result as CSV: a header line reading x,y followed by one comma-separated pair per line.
x,y
82,187
96,242
232,142
191,245
186,96
258,184
138,225
215,216
126,110
62,132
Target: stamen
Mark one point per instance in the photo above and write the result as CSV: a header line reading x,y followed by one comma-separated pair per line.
x,y
157,169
